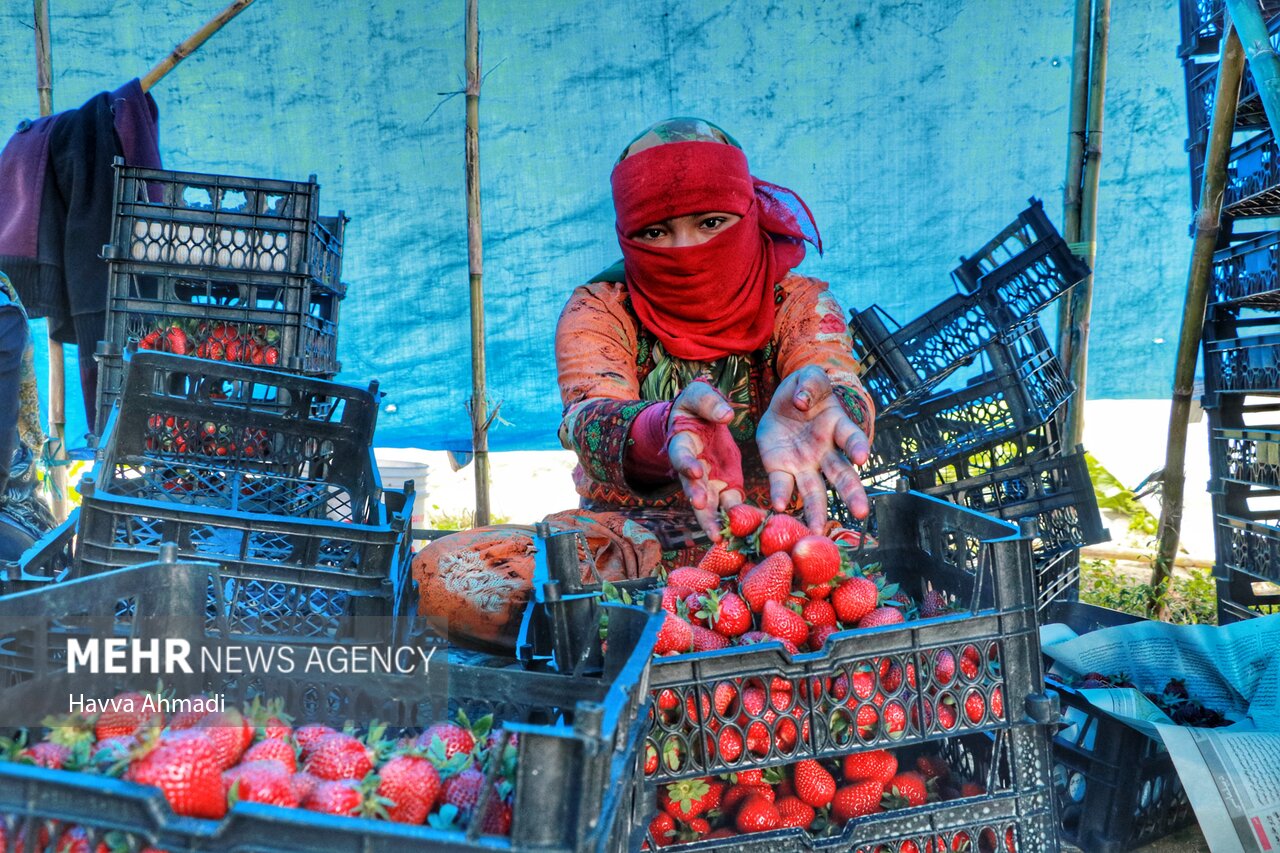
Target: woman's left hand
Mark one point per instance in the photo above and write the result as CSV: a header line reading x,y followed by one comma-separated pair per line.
x,y
806,434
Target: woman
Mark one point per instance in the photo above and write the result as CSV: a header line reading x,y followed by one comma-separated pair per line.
x,y
697,373
24,517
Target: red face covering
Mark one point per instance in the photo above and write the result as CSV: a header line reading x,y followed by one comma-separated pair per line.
x,y
710,300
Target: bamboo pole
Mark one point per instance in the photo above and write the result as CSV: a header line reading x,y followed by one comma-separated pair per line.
x,y
1107,551
57,359
1246,17
475,267
1207,222
1076,127
1081,298
186,48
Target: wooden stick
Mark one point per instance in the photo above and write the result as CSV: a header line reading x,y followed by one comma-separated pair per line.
x,y
1082,294
189,46
1076,128
1136,555
1225,100
57,365
475,267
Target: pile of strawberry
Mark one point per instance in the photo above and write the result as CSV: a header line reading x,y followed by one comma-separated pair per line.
x,y
769,580
244,343
168,434
205,763
820,797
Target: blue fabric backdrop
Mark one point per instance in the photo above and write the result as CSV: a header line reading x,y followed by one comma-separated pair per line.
x,y
914,131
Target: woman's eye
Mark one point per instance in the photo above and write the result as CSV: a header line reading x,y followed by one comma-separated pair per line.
x,y
652,234
711,223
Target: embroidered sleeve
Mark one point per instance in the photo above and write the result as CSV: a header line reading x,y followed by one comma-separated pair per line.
x,y
596,348
810,329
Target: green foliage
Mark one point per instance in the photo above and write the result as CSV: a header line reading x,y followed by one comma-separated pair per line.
x,y
465,519
1192,599
1113,495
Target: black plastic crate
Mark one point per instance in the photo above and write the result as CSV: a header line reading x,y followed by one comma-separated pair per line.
x,y
1246,532
1243,597
50,560
268,474
1202,83
1241,357
226,223
1248,273
1248,456
1117,788
577,736
1018,805
1202,24
1057,491
1011,278
1253,178
1021,392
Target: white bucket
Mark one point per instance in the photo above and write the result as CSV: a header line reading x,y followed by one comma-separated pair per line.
x,y
397,464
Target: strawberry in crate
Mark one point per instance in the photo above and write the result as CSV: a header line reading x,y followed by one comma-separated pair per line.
x,y
244,343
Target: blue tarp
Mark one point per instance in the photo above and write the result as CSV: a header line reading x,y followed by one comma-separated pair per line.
x,y
914,131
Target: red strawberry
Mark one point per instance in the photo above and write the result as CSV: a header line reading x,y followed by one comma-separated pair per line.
x,y
184,767
674,597
895,719
47,754
934,603
688,798
456,738
997,703
757,814
854,599
722,561
695,609
975,707
308,736
126,713
878,765
817,560
819,591
783,623
697,580
412,785
725,613
753,637
794,812
780,532
768,581
176,340
497,817
749,776
234,350
270,356
303,784
946,710
944,667
857,800
339,756
662,829
742,521
260,782
463,790
972,789
151,340
819,634
970,662
274,750
933,767
881,616
727,744
905,790
723,697
743,791
341,797
230,734
813,784
819,614
676,636
705,640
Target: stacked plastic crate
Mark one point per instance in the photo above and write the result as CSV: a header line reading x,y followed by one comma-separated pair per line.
x,y
229,269
1242,327
991,441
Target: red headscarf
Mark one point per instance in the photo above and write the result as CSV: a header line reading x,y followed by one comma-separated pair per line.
x,y
714,299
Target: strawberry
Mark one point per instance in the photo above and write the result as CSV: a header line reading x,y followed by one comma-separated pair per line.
x,y
934,603
768,581
497,817
674,598
743,791
270,356
794,812
857,800
727,744
662,829
303,784
230,734
725,613
970,662
412,785
723,697
780,532
813,784
880,617
757,814
176,340
819,634
463,790
184,767
817,560
948,716
46,754
878,765
694,609
997,703
274,750
151,340
456,738
972,789
697,580
818,591
783,623
706,640
260,782
234,350
905,790
742,521
126,713
819,614
854,599
722,561
944,667
975,707
675,637
340,797
753,637
688,798
308,736
895,719
933,767
891,675
339,756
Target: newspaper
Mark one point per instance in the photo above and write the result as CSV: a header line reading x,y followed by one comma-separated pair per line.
x,y
1231,774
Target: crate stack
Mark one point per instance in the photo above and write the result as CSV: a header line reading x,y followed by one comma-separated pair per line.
x,y
222,268
992,443
1241,343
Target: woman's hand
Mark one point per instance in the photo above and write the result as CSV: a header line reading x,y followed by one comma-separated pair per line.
x,y
806,434
704,455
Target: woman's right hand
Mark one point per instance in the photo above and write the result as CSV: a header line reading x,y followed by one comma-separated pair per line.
x,y
704,455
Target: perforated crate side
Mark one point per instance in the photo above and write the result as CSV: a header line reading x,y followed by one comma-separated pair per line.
x,y
49,560
1240,356
224,222
1253,178
1246,273
1243,597
577,736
